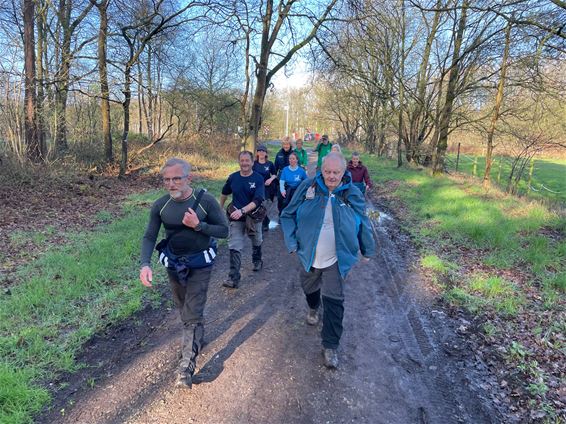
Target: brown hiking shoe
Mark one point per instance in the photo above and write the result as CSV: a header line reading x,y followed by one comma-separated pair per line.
x,y
184,380
230,284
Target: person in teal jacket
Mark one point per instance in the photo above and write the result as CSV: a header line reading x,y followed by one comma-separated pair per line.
x,y
326,225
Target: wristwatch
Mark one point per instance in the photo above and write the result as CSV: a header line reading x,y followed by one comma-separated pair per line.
x,y
197,227
242,211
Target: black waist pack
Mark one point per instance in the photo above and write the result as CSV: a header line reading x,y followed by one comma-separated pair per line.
x,y
200,259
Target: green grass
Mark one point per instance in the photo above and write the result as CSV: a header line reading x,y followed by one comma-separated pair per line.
x,y
65,297
436,264
548,173
504,231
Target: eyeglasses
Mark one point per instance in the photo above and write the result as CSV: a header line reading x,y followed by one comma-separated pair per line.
x,y
175,180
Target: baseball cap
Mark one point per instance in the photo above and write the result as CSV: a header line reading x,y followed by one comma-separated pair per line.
x,y
325,136
261,148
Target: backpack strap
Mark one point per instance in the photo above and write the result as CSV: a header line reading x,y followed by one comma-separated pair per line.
x,y
197,200
195,206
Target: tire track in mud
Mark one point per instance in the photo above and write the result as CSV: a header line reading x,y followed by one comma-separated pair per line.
x,y
437,384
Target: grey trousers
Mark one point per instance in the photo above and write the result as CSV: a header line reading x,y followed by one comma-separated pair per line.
x,y
238,235
190,301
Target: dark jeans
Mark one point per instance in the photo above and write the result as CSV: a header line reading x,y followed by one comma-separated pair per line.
x,y
329,283
282,202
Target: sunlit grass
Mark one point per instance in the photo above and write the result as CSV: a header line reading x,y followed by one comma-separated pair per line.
x,y
504,231
548,181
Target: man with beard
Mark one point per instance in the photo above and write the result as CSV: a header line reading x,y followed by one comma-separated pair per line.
x,y
190,219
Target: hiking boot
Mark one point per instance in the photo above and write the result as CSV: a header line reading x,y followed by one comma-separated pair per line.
x,y
184,380
256,258
258,265
330,358
231,284
312,317
235,264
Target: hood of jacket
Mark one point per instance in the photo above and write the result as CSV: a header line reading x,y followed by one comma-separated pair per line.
x,y
345,184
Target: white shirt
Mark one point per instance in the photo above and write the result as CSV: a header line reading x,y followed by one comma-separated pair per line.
x,y
325,252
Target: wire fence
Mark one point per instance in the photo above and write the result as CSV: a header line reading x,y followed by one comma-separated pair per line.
x,y
531,182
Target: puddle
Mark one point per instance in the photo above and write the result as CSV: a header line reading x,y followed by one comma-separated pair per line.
x,y
376,215
273,225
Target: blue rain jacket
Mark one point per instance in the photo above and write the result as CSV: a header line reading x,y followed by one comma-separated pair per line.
x,y
302,220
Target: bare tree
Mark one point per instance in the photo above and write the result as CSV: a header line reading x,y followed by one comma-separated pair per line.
x,y
273,18
497,107
106,124
32,141
137,35
65,54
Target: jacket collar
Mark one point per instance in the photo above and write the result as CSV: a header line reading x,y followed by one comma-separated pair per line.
x,y
351,165
346,182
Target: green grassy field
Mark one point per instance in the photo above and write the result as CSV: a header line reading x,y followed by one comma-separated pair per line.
x,y
548,178
506,228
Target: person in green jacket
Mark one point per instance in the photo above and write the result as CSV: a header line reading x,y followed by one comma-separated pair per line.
x,y
322,148
301,153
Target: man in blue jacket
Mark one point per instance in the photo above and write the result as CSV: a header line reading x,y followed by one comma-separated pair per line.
x,y
326,224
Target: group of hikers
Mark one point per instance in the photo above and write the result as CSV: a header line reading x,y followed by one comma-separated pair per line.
x,y
323,219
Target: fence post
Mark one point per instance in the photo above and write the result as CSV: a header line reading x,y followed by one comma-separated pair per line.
x,y
531,170
458,157
475,168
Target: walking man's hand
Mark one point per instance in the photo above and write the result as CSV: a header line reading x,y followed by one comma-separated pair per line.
x,y
190,219
146,276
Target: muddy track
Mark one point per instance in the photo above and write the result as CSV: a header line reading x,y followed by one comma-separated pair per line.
x,y
401,361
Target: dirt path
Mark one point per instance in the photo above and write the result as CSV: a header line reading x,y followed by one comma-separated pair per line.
x,y
400,362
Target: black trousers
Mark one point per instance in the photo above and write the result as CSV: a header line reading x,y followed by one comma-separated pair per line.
x,y
326,283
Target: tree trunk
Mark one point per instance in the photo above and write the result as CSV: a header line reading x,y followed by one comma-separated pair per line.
x,y
244,106
32,143
62,75
41,47
497,108
126,109
254,124
103,74
420,121
149,98
401,88
440,151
